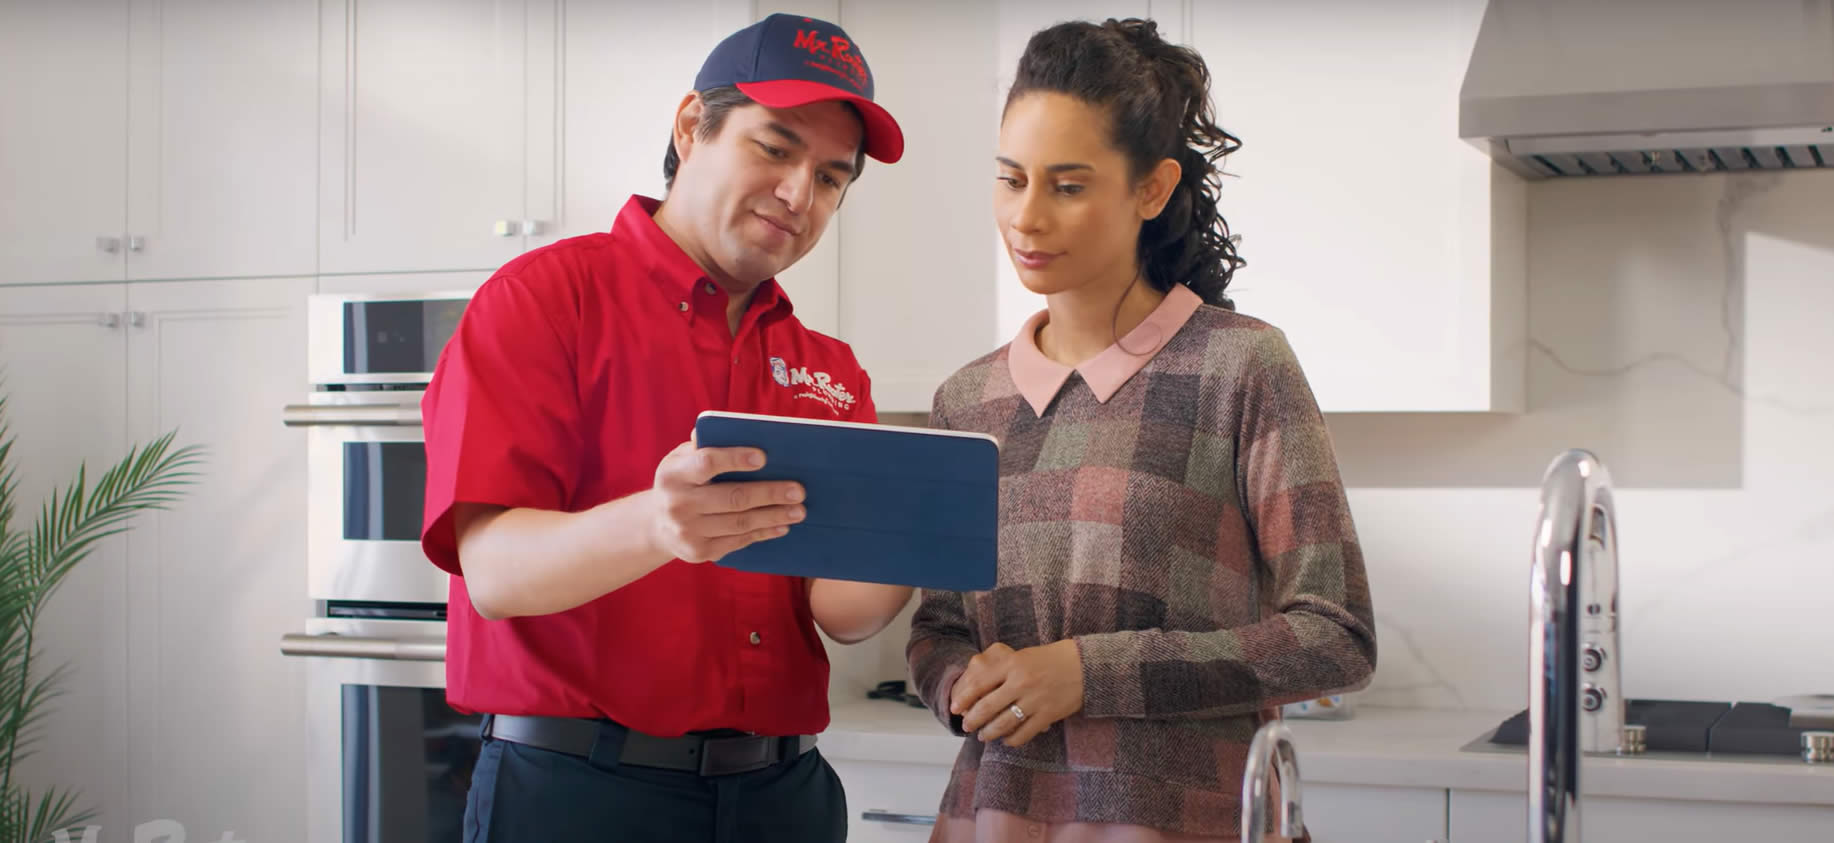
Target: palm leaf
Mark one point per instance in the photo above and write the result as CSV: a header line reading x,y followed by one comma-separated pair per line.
x,y
33,563
56,810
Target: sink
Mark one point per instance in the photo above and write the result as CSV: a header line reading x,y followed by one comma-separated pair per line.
x,y
1688,726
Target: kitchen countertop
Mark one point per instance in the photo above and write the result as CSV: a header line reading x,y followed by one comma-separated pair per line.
x,y
1399,747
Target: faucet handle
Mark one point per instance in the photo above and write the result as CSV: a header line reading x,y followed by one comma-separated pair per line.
x,y
1632,739
1818,747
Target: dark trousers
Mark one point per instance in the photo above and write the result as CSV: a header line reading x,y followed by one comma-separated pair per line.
x,y
524,793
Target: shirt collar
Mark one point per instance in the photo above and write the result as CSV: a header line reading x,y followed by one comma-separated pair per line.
x,y
669,266
1039,378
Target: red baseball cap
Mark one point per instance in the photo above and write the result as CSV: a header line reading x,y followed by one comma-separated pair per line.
x,y
785,61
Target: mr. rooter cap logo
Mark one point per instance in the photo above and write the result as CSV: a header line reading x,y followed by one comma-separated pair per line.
x,y
835,55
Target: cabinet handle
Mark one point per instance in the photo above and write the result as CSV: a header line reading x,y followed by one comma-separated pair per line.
x,y
900,819
506,228
136,319
110,245
531,228
347,415
416,649
110,321
136,244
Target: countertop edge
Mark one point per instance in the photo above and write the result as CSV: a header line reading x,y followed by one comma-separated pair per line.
x,y
1393,747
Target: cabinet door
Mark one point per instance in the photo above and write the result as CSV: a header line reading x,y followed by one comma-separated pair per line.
x,y
890,803
63,371
221,577
1482,817
916,269
600,135
1382,244
1374,814
63,141
421,160
222,153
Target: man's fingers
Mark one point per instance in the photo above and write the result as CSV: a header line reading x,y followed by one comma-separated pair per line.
x,y
713,462
750,521
690,466
743,497
718,548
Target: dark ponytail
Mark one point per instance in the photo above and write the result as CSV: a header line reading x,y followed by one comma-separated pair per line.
x,y
1158,97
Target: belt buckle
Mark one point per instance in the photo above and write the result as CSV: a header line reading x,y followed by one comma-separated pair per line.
x,y
728,756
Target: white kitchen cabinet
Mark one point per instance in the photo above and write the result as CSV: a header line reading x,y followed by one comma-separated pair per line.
x,y
423,122
1336,813
890,802
176,692
915,295
1489,817
63,141
218,579
222,118
1389,251
600,134
63,369
157,139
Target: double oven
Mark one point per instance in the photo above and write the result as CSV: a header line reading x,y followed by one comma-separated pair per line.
x,y
388,759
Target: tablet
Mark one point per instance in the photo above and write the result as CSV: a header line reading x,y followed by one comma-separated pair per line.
x,y
885,504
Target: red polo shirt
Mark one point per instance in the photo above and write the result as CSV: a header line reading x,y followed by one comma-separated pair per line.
x,y
575,369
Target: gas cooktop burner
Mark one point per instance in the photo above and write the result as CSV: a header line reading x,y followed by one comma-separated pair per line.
x,y
1695,727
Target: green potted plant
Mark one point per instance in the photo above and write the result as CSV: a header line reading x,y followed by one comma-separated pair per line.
x,y
34,559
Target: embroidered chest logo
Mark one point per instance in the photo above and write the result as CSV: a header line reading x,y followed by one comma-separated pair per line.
x,y
819,386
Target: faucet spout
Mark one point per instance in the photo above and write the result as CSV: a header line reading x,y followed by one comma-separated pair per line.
x,y
1271,749
1576,701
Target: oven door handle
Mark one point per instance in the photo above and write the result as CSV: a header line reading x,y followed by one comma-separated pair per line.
x,y
360,647
316,415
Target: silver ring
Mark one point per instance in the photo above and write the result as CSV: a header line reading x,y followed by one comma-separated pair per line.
x,y
1018,713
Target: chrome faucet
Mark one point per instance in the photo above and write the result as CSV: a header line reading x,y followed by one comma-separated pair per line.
x,y
1575,701
1272,748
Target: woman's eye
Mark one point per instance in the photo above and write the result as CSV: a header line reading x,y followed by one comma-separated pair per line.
x,y
1069,189
772,151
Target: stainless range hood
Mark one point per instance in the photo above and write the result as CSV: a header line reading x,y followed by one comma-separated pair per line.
x,y
1566,88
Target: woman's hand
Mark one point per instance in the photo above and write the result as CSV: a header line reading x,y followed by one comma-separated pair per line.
x,y
1045,683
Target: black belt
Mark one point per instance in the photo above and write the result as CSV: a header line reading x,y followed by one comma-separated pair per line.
x,y
703,754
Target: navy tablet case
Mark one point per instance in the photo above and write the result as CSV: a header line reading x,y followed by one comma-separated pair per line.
x,y
895,505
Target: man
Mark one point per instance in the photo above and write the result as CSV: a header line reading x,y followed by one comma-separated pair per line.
x,y
631,692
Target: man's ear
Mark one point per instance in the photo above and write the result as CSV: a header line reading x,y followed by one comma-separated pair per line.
x,y
1156,189
687,122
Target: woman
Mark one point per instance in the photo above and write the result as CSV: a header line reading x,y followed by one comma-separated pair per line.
x,y
1177,557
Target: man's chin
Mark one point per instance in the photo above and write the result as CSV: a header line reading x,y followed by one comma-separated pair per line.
x,y
758,267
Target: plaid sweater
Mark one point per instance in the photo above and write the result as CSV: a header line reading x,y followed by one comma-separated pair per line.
x,y
1181,517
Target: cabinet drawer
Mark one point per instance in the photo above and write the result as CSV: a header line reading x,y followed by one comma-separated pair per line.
x,y
894,803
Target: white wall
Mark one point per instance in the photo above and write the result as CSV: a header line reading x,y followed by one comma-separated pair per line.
x,y
1681,329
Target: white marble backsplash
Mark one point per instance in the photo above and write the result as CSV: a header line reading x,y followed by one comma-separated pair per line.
x,y
1682,328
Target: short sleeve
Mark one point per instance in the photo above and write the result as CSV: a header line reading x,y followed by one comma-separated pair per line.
x,y
864,411
501,414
